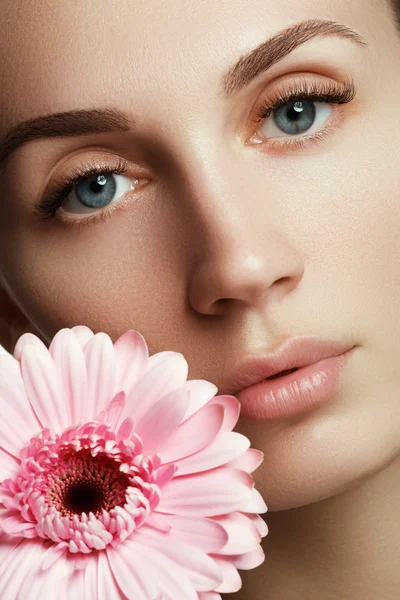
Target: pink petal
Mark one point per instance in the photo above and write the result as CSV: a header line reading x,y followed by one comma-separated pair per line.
x,y
206,494
243,536
170,576
232,410
165,474
45,388
108,588
129,571
194,434
13,393
256,503
83,334
205,534
90,578
53,553
28,339
111,414
167,375
9,465
69,360
249,461
14,431
132,357
259,523
209,596
7,545
14,524
196,564
201,392
20,575
101,374
224,448
232,581
250,560
124,574
161,421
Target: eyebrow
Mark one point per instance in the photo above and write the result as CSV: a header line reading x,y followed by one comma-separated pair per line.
x,y
108,120
276,48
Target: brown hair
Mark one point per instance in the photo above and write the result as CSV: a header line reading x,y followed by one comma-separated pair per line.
x,y
395,8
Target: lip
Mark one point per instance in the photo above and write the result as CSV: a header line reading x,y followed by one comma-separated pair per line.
x,y
295,352
298,392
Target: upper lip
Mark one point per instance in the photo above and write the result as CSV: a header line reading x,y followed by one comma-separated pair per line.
x,y
294,352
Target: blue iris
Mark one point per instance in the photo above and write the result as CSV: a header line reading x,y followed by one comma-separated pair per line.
x,y
295,117
96,191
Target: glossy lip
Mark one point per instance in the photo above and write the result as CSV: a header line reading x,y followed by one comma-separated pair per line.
x,y
298,392
294,352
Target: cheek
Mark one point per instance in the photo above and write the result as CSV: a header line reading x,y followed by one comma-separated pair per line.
x,y
114,276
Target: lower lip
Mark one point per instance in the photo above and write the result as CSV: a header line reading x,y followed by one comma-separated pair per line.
x,y
298,392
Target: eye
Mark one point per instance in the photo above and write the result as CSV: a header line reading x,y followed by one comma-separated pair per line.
x,y
296,117
300,113
97,191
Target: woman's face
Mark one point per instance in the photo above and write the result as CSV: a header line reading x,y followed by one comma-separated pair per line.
x,y
241,231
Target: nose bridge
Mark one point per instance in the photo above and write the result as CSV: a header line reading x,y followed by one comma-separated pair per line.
x,y
240,244
215,188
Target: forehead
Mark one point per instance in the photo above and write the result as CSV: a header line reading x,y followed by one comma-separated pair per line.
x,y
60,55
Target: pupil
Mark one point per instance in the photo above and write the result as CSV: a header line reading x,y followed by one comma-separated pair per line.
x,y
84,497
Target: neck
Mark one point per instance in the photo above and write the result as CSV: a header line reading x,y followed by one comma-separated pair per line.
x,y
346,546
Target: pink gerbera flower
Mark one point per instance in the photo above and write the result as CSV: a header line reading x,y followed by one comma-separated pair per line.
x,y
120,479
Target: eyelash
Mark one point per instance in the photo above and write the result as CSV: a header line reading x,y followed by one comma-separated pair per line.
x,y
48,207
322,92
328,91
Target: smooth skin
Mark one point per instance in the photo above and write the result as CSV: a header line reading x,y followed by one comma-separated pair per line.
x,y
228,247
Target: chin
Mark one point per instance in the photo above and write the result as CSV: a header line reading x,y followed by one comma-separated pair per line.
x,y
318,456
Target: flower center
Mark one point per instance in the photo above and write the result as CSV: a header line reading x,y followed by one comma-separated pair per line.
x,y
86,487
83,483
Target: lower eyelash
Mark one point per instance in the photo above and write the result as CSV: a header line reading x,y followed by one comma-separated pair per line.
x,y
72,223
299,142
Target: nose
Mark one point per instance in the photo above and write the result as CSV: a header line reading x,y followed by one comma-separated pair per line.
x,y
244,254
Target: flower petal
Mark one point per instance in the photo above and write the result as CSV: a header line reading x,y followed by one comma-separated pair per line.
x,y
129,570
256,503
13,393
249,461
167,375
14,432
232,581
209,596
27,339
250,560
243,535
108,588
67,354
224,448
8,465
205,534
169,575
232,410
132,357
90,578
197,565
211,493
45,388
201,392
259,523
101,374
194,434
83,334
162,420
